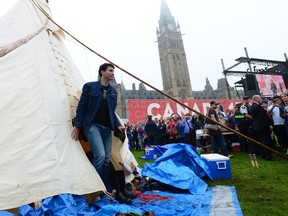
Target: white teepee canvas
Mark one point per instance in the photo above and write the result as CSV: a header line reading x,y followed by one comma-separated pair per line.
x,y
39,87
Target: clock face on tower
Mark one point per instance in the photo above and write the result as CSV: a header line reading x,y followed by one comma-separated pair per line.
x,y
170,26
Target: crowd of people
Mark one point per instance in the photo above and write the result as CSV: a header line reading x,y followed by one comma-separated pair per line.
x,y
173,129
264,120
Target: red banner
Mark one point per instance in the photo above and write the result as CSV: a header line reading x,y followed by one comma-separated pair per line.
x,y
139,109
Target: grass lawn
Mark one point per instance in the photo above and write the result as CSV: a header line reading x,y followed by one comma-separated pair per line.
x,y
262,191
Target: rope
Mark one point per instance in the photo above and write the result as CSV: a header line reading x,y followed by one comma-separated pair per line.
x,y
161,92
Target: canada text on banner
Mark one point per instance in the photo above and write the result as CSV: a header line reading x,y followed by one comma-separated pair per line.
x,y
139,109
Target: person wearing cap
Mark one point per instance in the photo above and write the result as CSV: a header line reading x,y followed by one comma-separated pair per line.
x,y
245,106
217,139
247,123
241,123
239,117
265,104
278,122
245,109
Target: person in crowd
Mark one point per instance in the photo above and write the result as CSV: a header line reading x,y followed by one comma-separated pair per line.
x,y
278,122
231,119
221,115
198,121
135,140
162,131
284,106
284,97
96,115
156,120
217,139
241,125
157,135
246,101
189,131
231,123
168,122
265,104
150,130
129,135
140,134
172,128
180,136
284,109
198,124
247,128
262,126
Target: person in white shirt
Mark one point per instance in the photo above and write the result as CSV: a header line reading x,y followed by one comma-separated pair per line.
x,y
278,122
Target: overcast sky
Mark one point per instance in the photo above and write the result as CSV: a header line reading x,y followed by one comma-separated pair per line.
x,y
124,31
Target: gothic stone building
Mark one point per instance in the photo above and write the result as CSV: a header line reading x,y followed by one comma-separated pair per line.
x,y
174,69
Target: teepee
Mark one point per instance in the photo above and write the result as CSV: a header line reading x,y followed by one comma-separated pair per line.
x,y
40,87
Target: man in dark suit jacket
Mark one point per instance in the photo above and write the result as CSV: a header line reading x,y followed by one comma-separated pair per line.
x,y
262,125
151,130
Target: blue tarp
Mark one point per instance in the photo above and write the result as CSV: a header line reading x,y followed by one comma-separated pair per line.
x,y
179,204
160,150
4,213
60,205
179,166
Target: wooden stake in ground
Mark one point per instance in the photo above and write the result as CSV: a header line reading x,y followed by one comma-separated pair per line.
x,y
252,160
255,161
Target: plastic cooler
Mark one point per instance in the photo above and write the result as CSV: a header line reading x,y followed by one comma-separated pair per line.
x,y
150,154
219,165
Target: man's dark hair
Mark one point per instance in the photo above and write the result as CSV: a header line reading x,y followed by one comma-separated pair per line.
x,y
104,67
149,117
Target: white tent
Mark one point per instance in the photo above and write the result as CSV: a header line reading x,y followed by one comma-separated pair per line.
x,y
39,87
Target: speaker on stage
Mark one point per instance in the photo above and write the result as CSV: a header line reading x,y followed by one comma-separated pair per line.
x,y
251,82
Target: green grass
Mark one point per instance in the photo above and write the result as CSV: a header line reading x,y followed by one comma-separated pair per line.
x,y
262,191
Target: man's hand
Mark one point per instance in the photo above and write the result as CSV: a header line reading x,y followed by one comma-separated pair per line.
x,y
121,128
75,133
